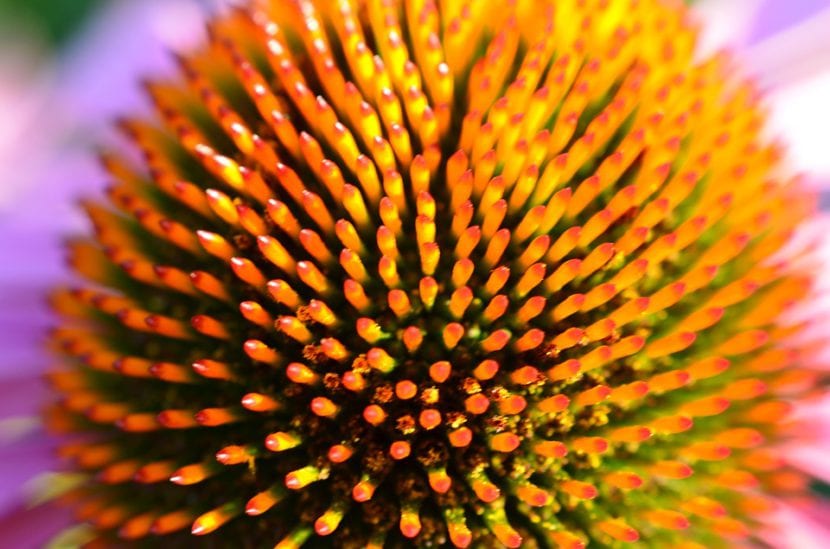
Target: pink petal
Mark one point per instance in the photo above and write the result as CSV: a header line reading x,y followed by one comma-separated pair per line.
x,y
793,528
31,528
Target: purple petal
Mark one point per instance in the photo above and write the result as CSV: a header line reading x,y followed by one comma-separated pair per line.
x,y
777,15
22,396
21,463
32,528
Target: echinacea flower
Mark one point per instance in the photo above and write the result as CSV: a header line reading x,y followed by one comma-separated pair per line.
x,y
394,274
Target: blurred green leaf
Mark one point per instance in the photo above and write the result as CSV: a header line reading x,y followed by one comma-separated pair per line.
x,y
55,20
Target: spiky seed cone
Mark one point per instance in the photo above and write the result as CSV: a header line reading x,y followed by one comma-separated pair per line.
x,y
495,273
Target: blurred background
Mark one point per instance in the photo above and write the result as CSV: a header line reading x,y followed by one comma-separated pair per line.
x,y
46,20
67,68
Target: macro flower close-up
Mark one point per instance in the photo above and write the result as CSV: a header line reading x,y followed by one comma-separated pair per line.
x,y
415,273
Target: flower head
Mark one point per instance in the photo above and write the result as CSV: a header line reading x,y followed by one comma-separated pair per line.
x,y
438,274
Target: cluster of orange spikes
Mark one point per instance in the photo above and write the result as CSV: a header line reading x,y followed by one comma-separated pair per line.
x,y
438,272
